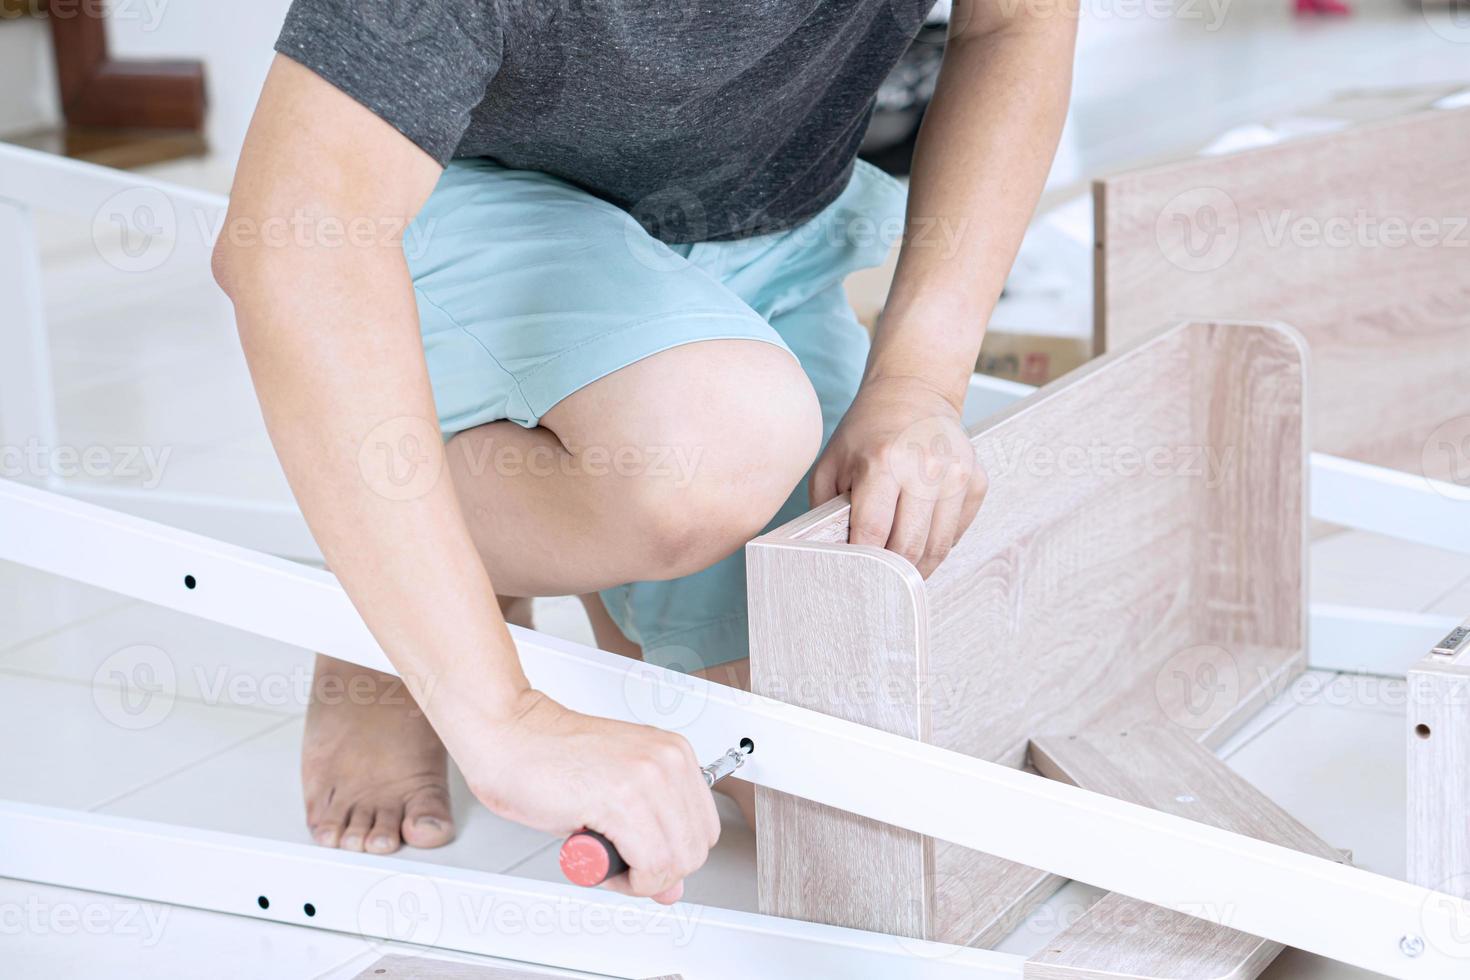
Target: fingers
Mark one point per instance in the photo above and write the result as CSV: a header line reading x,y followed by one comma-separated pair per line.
x,y
911,521
822,486
953,516
875,497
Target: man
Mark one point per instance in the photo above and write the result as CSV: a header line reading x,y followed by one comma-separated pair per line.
x,y
605,353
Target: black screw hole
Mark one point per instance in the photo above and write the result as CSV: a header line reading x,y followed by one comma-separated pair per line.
x,y
309,909
190,581
1422,731
263,902
747,746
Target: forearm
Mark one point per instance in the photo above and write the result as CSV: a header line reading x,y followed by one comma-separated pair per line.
x,y
310,254
338,366
979,167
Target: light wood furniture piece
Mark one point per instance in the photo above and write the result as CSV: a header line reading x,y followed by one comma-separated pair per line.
x,y
1124,939
1439,767
1139,561
1359,238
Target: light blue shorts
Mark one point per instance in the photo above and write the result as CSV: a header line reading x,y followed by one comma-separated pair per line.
x,y
530,288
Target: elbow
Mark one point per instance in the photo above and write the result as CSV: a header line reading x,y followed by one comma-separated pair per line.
x,y
225,264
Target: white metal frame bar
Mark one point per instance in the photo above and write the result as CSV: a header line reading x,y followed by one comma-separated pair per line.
x,y
1263,889
451,908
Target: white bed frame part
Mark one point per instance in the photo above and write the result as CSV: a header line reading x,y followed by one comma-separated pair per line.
x,y
1343,913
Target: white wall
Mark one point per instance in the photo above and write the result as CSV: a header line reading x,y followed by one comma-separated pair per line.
x,y
27,77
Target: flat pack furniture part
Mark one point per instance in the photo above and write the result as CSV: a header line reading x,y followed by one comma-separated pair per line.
x,y
1348,494
1439,767
184,222
1120,938
1357,238
1140,559
1299,900
1264,889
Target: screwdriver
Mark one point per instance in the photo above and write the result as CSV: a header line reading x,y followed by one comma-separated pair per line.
x,y
589,859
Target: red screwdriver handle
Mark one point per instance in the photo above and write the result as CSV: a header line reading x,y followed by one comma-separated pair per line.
x,y
589,859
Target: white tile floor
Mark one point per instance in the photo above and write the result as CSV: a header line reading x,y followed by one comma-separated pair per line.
x,y
110,706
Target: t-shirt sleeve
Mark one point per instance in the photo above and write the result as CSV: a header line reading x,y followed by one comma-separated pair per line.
x,y
422,65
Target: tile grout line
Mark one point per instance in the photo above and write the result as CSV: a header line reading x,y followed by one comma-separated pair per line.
x,y
124,603
1441,597
200,702
230,747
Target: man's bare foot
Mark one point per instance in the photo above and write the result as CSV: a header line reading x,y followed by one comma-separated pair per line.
x,y
373,770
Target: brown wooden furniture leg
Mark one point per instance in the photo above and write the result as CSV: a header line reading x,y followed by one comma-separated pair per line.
x,y
1439,768
1120,938
1140,559
99,90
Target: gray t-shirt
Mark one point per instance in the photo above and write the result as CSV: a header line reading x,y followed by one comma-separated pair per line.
x,y
705,119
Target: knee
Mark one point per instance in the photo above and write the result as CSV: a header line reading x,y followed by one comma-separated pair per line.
x,y
738,456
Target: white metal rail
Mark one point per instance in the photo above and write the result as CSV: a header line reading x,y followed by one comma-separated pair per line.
x,y
1336,911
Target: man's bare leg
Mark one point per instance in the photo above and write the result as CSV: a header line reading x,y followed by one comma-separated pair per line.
x,y
608,490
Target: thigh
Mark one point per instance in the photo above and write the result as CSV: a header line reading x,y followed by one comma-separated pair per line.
x,y
530,289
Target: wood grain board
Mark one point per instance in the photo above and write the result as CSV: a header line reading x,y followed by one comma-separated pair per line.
x,y
1359,238
1122,938
1438,738
1139,559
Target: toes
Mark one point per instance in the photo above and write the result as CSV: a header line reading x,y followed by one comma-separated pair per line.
x,y
327,819
426,820
358,824
383,837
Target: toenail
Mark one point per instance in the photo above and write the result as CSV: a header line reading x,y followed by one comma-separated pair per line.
x,y
432,823
380,843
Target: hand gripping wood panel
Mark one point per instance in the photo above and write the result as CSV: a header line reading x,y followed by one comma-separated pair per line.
x,y
1358,238
1139,559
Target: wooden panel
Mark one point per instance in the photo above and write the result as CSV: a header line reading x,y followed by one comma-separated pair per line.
x,y
1439,774
1358,238
1139,559
859,660
1124,939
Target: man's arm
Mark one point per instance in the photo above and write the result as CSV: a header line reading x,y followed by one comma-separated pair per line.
x,y
311,256
979,167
